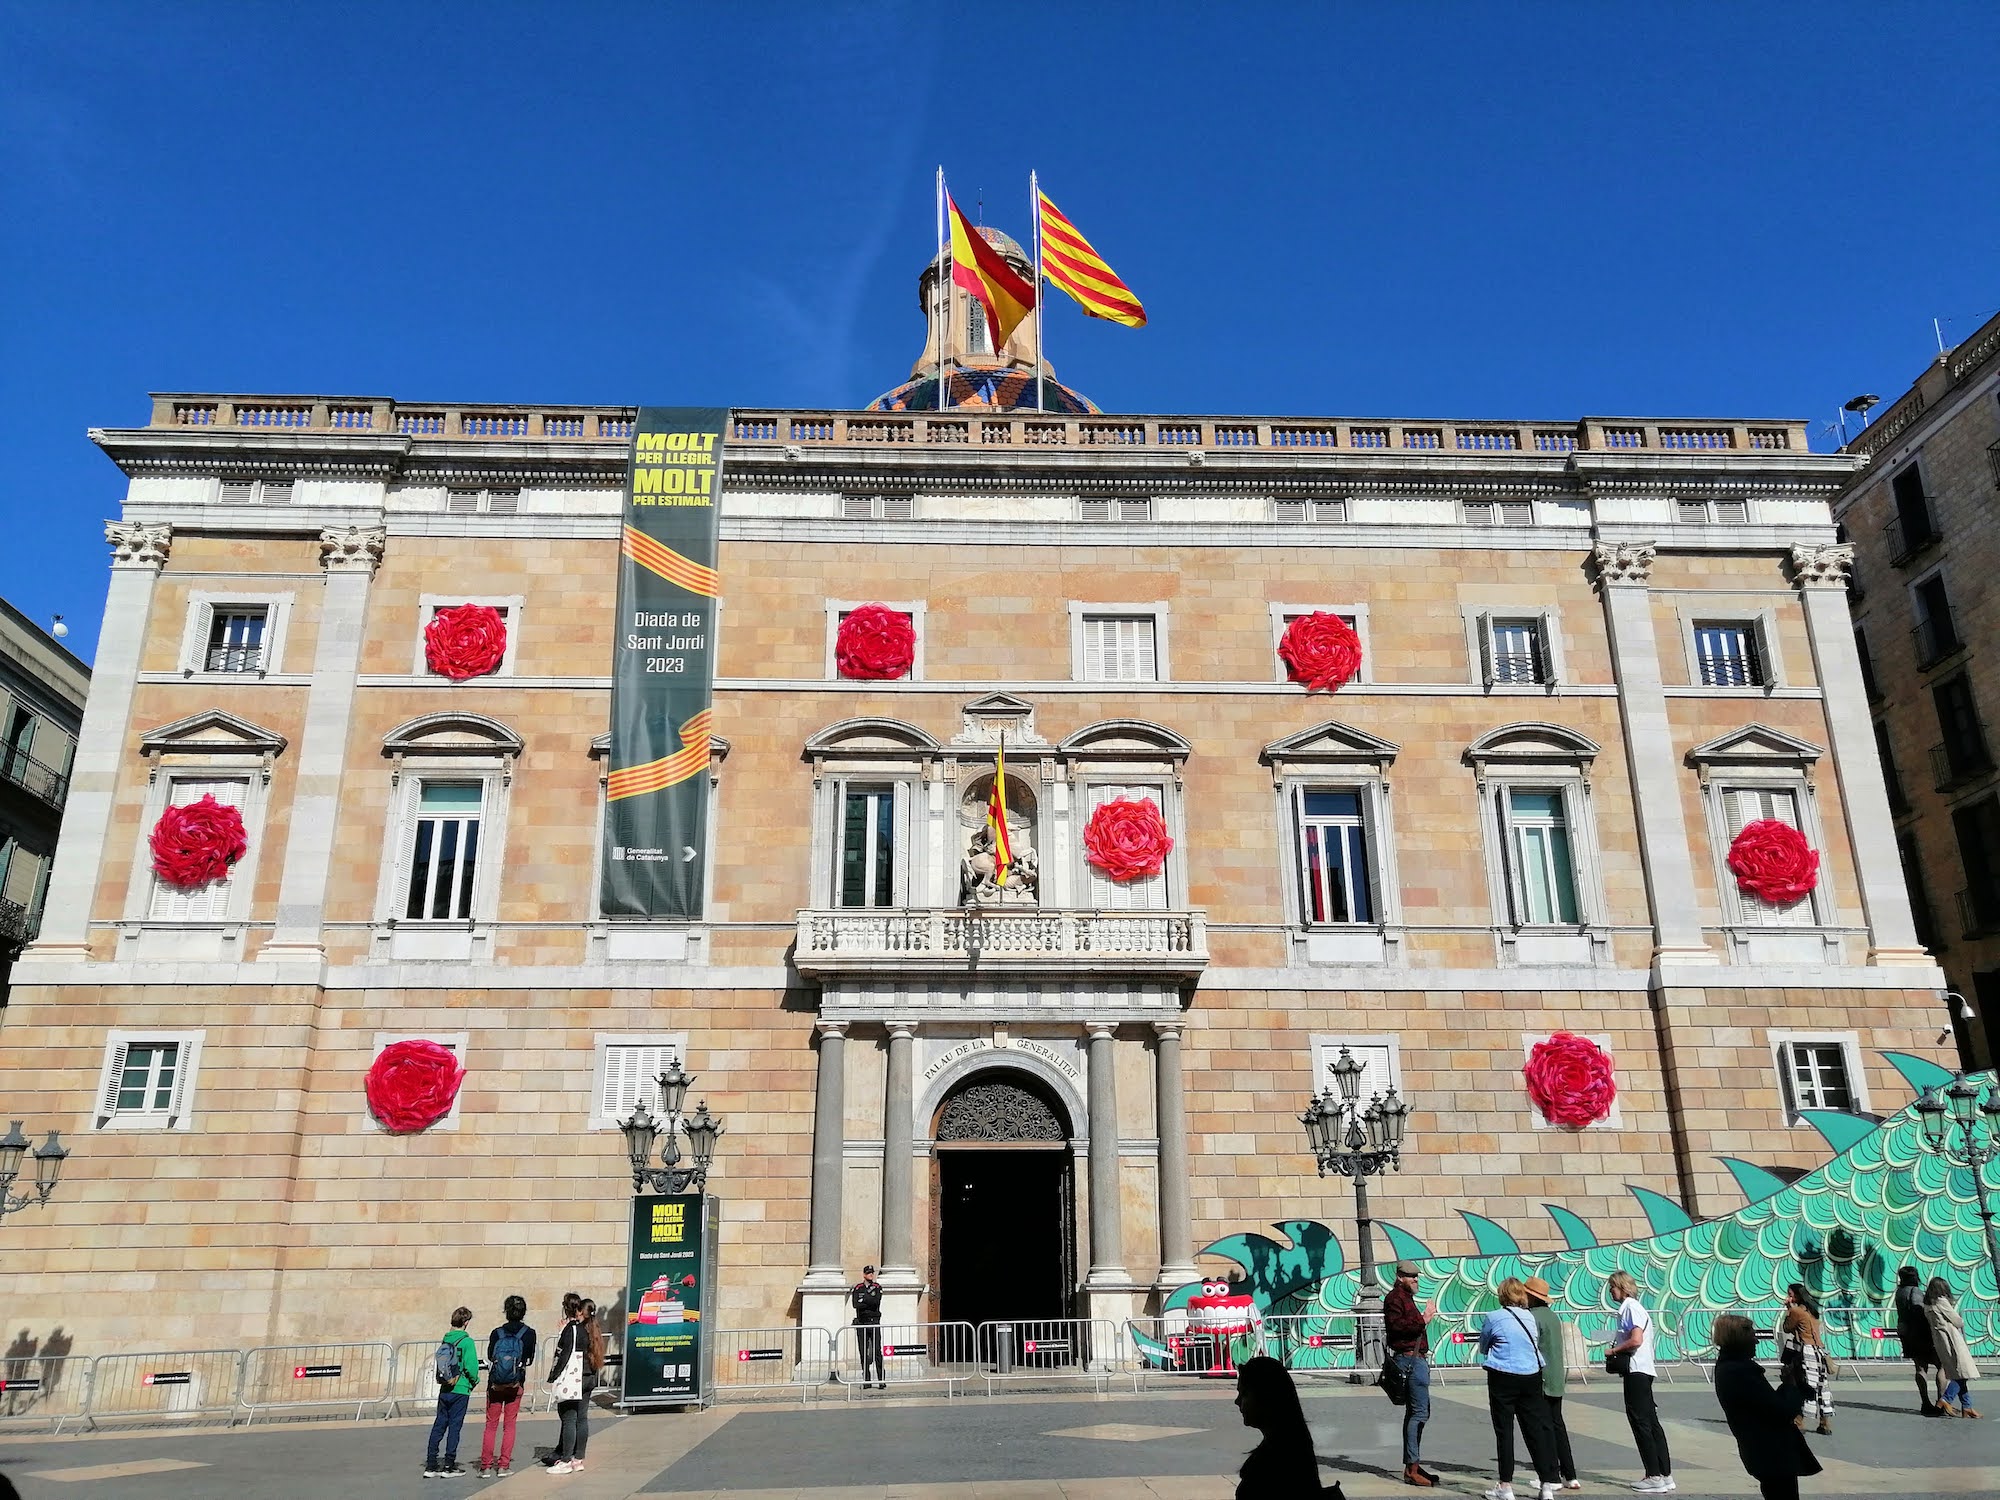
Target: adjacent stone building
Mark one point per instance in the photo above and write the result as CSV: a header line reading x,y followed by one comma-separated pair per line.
x,y
1592,650
42,688
1921,518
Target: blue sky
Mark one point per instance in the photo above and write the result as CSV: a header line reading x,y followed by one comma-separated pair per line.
x,y
1505,210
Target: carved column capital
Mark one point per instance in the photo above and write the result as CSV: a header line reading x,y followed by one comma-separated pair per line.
x,y
1101,1031
135,544
1169,1030
352,549
902,1030
834,1030
1823,567
1628,563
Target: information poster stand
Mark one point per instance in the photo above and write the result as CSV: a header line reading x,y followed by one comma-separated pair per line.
x,y
669,1294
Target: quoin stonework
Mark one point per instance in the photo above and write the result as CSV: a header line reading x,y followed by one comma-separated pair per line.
x,y
1592,651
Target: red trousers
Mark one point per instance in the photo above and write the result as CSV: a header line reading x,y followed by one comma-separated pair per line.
x,y
500,1416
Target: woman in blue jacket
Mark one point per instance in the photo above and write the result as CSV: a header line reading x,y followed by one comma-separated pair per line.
x,y
1510,1347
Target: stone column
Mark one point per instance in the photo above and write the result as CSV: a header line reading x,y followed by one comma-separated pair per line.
x,y
1170,1116
349,556
138,552
823,1294
1108,1286
1624,569
900,1278
1822,575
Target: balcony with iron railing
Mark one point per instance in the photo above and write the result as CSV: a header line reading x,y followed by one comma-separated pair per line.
x,y
1907,536
18,926
1008,941
1961,760
1978,913
1935,640
40,781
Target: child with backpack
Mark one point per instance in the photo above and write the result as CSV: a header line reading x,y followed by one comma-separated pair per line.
x,y
510,1352
456,1366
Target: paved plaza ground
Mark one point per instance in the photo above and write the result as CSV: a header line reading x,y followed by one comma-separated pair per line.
x,y
1177,1445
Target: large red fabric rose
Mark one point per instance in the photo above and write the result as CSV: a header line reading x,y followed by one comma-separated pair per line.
x,y
1569,1078
465,640
1127,839
411,1085
1773,862
198,843
875,642
1321,651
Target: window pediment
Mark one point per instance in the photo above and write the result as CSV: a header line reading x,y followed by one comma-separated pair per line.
x,y
1531,744
212,735
1754,745
460,736
1125,740
1330,744
888,739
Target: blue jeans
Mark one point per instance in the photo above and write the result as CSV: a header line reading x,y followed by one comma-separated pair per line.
x,y
450,1419
1958,1393
1418,1412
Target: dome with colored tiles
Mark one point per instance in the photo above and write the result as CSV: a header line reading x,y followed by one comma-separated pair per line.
x,y
1009,388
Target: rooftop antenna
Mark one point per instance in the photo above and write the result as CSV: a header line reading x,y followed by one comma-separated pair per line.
x,y
1860,406
1937,331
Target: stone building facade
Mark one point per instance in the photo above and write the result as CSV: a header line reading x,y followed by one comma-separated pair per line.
x,y
42,688
1920,516
1592,648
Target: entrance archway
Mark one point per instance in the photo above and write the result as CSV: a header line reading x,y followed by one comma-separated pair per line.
x,y
1003,1201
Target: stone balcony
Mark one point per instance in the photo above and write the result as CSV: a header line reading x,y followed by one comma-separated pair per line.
x,y
955,942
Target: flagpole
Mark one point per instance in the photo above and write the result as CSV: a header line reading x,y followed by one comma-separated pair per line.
x,y
943,289
1041,303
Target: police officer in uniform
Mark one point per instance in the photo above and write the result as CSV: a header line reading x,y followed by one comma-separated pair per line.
x,y
866,1295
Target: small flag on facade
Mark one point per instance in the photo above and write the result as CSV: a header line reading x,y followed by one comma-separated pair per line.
x,y
982,272
1072,264
996,819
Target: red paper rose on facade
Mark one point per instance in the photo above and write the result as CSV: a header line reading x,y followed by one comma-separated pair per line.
x,y
1773,862
1127,839
411,1085
1569,1078
198,843
875,642
1321,651
465,640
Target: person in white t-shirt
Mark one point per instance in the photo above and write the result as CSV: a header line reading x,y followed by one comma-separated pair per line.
x,y
1632,1347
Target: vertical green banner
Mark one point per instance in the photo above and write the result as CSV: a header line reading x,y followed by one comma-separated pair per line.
x,y
666,1285
663,666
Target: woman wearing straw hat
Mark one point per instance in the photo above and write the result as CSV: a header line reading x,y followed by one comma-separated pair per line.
x,y
1554,1374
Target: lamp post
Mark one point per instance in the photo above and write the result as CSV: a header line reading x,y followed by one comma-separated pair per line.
x,y
1354,1141
1951,1129
643,1129
49,1157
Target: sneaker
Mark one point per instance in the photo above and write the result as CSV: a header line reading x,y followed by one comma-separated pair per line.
x,y
1650,1485
503,1471
562,1466
1574,1484
434,1472
1501,1492
451,1471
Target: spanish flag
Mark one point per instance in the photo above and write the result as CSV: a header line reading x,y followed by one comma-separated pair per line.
x,y
996,819
1073,264
982,272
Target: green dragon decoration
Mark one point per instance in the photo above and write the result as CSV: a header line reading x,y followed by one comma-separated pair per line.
x,y
1842,1230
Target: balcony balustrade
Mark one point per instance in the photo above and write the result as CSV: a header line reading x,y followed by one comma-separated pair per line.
x,y
34,778
1020,941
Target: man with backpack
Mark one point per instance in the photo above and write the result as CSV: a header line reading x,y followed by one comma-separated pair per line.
x,y
456,1368
510,1352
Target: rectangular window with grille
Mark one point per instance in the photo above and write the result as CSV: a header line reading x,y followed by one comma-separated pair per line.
x,y
1814,1074
1334,876
1537,840
1727,654
444,856
1498,512
147,1080
1119,648
236,638
203,903
868,846
1516,651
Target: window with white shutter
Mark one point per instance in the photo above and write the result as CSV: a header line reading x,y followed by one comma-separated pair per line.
x,y
1745,805
1818,1071
1379,1056
203,903
147,1080
1149,892
1119,648
627,1072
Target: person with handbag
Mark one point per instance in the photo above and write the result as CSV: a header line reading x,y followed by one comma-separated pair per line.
x,y
1409,1341
1913,1331
510,1350
1954,1353
1630,1357
569,1380
1764,1422
1510,1347
1555,1376
1803,1357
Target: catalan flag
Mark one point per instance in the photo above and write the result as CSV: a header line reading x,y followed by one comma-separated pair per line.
x,y
1073,264
982,272
996,819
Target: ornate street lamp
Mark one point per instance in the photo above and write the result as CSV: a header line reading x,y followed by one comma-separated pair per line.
x,y
1965,1130
49,1158
643,1129
1357,1141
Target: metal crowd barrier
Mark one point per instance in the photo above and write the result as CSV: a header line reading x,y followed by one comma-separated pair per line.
x,y
1021,1349
291,1377
36,1390
943,1354
750,1361
172,1386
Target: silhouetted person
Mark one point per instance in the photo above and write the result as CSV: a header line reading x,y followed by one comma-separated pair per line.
x,y
1283,1466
